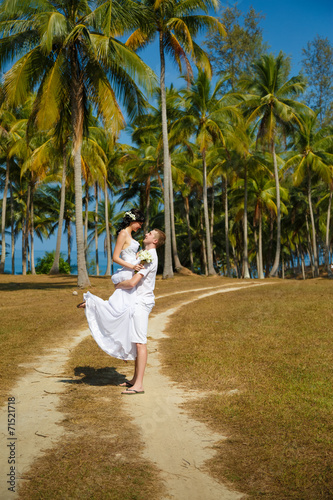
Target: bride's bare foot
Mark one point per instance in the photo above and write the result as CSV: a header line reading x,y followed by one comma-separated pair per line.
x,y
82,305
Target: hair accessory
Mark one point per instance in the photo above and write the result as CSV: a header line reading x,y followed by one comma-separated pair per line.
x,y
132,216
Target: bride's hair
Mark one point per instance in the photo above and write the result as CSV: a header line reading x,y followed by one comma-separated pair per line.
x,y
133,215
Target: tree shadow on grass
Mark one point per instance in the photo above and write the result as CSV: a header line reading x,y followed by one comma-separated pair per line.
x,y
97,377
43,283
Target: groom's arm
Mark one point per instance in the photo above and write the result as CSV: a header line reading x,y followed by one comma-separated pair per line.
x,y
128,284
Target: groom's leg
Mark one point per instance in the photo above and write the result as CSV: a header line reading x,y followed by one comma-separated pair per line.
x,y
139,337
140,366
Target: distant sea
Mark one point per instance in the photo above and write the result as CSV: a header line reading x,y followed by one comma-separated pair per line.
x,y
40,253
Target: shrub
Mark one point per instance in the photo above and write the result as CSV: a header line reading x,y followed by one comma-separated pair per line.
x,y
44,264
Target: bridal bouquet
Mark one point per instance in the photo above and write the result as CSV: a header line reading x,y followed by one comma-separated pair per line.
x,y
145,256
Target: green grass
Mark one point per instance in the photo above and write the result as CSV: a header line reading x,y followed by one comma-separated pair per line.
x,y
264,357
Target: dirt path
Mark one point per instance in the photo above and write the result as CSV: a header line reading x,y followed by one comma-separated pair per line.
x,y
37,419
178,445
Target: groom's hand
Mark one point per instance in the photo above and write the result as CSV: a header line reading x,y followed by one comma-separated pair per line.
x,y
137,267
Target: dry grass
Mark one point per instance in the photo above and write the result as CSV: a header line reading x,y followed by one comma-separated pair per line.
x,y
264,357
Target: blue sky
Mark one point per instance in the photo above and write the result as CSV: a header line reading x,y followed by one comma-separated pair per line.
x,y
288,26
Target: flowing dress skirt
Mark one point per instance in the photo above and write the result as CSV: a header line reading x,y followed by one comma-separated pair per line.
x,y
111,322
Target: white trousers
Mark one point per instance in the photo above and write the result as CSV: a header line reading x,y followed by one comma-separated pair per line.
x,y
140,323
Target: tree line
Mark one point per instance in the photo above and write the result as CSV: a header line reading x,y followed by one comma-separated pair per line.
x,y
236,169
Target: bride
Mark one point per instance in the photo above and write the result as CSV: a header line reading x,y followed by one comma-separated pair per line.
x,y
109,320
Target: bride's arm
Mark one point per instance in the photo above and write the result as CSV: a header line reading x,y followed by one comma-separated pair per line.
x,y
128,284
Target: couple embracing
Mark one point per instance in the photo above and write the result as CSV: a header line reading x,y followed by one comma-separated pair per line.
x,y
119,325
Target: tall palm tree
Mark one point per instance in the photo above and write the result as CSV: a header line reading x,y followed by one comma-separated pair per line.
x,y
151,125
71,55
12,129
176,23
311,157
205,116
269,103
7,120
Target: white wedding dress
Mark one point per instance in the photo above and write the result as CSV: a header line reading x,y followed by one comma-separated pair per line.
x,y
128,255
110,320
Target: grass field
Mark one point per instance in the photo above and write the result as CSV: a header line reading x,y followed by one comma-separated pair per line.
x,y
262,356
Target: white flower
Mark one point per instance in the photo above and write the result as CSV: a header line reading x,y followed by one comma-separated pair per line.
x,y
132,216
145,256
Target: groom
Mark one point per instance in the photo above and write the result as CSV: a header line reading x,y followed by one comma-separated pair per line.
x,y
144,280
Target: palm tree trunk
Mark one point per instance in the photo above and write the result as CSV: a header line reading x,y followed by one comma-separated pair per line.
x,y
212,216
24,255
107,230
256,247
96,228
167,270
226,227
327,239
32,237
245,254
298,258
12,226
314,236
69,243
3,220
275,267
176,260
211,270
187,216
203,247
270,246
77,123
29,256
82,275
261,262
112,265
86,221
309,246
146,224
55,266
25,233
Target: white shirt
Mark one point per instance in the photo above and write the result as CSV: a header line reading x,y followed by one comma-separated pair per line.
x,y
145,287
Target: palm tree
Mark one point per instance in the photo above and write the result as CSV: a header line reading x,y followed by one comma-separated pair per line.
x,y
7,119
71,55
150,125
205,116
176,23
270,105
11,126
312,158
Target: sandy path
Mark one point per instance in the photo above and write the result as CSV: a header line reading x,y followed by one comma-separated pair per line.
x,y
37,419
178,445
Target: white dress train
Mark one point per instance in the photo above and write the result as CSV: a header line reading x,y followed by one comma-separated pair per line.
x,y
110,321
